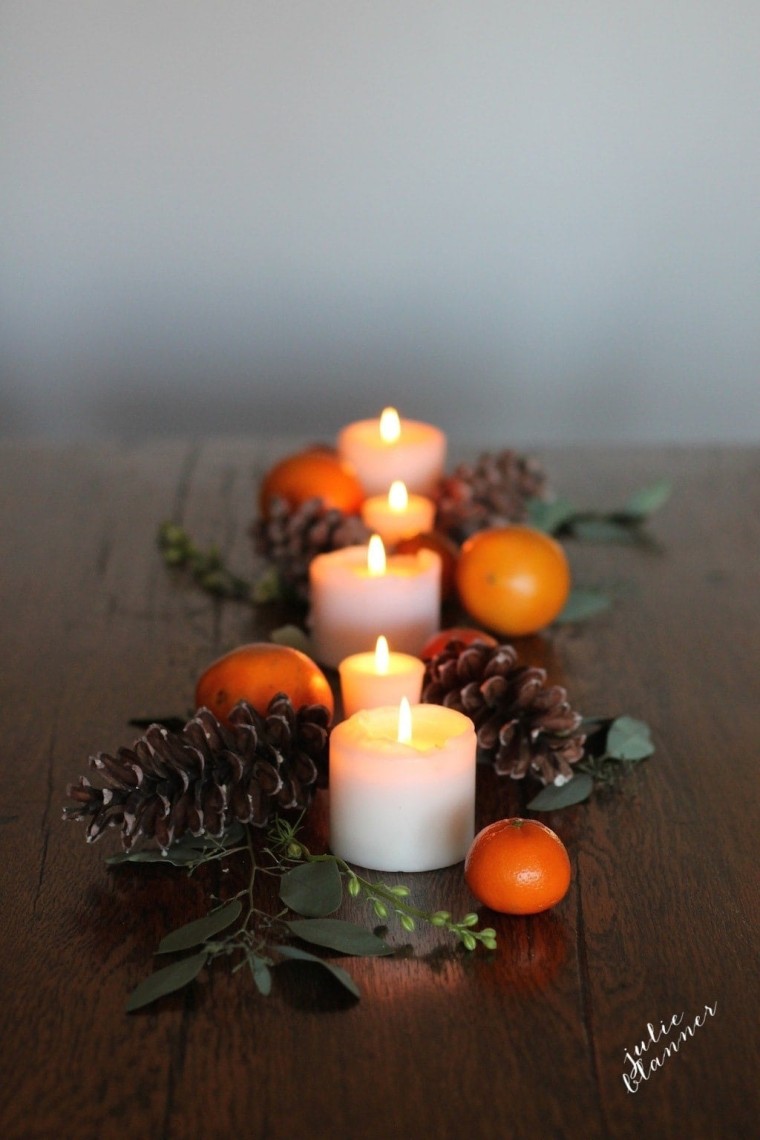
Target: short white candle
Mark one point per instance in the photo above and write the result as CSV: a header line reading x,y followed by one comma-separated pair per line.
x,y
398,514
354,600
370,680
392,448
403,806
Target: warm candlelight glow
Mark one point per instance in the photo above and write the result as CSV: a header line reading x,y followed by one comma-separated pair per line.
x,y
382,655
376,556
397,802
390,425
404,722
398,499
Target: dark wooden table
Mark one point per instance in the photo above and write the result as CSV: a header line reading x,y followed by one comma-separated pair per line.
x,y
660,922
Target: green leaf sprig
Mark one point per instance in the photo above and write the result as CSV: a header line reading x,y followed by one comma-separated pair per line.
x,y
311,889
320,877
613,745
623,524
205,567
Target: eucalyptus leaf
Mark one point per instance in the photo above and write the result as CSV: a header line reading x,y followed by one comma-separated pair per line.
x,y
648,500
553,798
172,858
336,934
267,587
293,637
262,975
629,739
231,836
337,972
602,530
194,933
312,889
166,981
549,516
582,604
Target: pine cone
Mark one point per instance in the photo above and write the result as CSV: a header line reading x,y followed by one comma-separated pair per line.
x,y
206,776
291,537
493,492
525,725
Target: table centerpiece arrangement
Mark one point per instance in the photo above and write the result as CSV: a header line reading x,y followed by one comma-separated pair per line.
x,y
376,690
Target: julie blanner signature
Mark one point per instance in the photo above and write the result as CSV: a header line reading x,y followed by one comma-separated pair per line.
x,y
663,1043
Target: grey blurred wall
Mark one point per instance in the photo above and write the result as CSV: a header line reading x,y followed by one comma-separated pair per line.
x,y
527,221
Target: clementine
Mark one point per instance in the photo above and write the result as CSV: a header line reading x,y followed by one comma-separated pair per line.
x,y
518,866
466,634
513,579
315,473
257,672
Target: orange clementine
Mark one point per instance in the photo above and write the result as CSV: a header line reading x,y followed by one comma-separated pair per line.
x,y
513,579
315,473
257,672
517,866
440,640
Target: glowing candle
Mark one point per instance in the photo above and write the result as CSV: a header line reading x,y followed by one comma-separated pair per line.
x,y
357,593
369,680
398,514
402,787
393,448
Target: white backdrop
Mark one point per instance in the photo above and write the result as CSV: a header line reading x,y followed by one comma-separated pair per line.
x,y
527,220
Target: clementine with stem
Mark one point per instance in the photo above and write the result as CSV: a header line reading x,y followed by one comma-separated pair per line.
x,y
518,866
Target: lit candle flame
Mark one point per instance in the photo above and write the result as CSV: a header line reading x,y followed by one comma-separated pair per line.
x,y
381,655
390,425
404,722
376,556
398,499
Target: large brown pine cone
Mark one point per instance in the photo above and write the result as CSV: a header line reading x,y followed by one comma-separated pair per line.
x,y
206,776
525,725
492,492
290,537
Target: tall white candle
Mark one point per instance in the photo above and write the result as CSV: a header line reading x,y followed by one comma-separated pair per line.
x,y
369,680
398,514
353,602
392,448
403,806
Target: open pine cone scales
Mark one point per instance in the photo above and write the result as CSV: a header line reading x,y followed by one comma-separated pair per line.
x,y
525,725
207,776
493,491
290,537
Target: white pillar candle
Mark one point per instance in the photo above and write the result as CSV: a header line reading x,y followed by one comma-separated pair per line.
x,y
369,680
398,514
398,806
353,602
391,448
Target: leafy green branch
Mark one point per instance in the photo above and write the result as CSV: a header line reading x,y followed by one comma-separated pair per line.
x,y
311,889
612,746
318,880
205,567
623,524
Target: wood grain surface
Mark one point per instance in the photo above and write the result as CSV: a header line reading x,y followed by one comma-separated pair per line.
x,y
661,919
